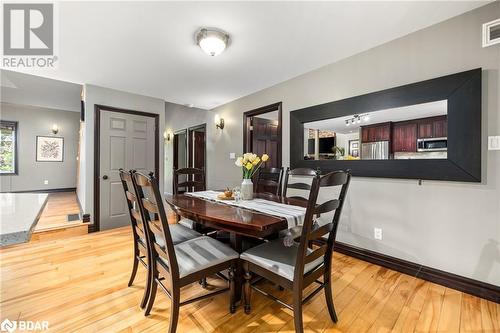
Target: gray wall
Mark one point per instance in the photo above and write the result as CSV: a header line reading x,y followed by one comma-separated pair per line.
x,y
104,96
446,225
33,121
178,117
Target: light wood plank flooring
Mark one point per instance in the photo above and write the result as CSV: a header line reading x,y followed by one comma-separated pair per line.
x,y
79,284
58,207
53,223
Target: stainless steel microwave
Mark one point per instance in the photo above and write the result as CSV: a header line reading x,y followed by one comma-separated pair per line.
x,y
432,144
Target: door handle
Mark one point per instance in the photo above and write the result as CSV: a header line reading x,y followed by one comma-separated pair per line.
x,y
105,177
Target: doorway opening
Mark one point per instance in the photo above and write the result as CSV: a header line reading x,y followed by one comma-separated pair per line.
x,y
262,133
190,150
180,149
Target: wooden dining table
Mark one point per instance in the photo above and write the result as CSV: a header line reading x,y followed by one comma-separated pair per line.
x,y
238,222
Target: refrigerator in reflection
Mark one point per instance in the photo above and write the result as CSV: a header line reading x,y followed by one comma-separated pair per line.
x,y
375,150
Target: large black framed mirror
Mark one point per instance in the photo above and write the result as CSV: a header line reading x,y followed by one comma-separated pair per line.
x,y
424,130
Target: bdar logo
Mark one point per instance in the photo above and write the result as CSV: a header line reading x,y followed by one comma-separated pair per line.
x,y
9,326
28,29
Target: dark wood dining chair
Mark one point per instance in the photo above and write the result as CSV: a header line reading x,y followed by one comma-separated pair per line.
x,y
175,266
298,266
269,180
193,179
139,236
141,255
304,173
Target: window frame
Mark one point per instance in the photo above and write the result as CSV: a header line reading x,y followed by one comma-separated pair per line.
x,y
16,136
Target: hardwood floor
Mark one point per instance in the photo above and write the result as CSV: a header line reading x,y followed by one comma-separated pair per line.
x,y
59,206
80,284
53,223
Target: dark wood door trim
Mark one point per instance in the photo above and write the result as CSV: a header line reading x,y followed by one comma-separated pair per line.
x,y
98,108
246,126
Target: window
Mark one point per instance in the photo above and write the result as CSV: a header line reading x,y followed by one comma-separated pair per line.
x,y
8,147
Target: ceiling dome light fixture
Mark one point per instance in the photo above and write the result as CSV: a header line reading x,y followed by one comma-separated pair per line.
x,y
212,41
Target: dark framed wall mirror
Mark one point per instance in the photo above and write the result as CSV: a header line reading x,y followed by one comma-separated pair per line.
x,y
424,130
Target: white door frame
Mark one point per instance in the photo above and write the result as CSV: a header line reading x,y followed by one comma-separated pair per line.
x,y
97,143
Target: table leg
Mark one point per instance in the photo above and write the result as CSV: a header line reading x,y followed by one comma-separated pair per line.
x,y
236,244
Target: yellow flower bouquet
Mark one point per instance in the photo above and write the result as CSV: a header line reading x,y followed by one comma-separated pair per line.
x,y
250,163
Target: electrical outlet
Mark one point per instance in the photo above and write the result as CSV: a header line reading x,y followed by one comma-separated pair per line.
x,y
377,233
232,156
494,143
46,182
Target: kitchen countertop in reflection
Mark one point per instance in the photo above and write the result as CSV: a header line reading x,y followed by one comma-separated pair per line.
x,y
421,155
19,213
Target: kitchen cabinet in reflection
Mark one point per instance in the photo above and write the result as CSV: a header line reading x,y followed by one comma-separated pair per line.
x,y
410,132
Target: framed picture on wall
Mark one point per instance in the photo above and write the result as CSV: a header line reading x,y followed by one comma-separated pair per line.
x,y
49,149
354,148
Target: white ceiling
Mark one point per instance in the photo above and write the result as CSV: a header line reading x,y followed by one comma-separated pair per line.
x,y
22,89
410,112
148,48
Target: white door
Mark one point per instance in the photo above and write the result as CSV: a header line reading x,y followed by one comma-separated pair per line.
x,y
126,141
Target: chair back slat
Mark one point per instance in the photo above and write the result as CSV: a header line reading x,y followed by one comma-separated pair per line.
x,y
314,275
195,180
269,180
335,178
151,207
327,206
155,222
302,172
160,250
130,196
299,185
297,197
128,188
140,233
156,230
320,232
304,255
136,215
317,253
125,176
142,182
190,183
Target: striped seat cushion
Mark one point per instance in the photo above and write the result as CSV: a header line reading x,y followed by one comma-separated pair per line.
x,y
200,253
278,258
179,234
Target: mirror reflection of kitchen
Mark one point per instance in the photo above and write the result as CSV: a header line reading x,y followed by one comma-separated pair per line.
x,y
409,132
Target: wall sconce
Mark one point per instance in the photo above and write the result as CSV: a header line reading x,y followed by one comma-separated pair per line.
x,y
167,136
219,122
55,129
